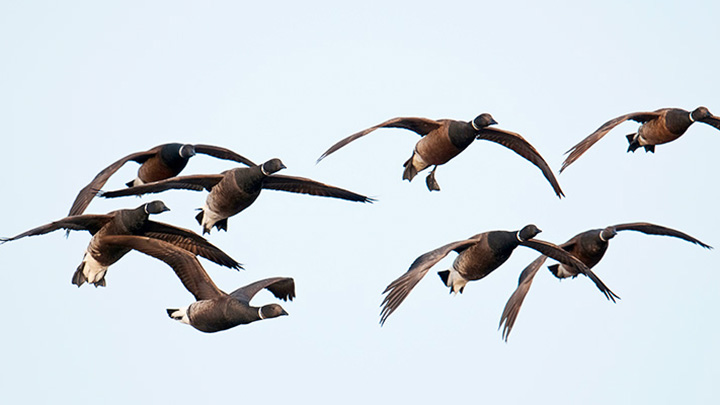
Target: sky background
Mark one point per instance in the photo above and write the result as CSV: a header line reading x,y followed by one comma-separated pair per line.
x,y
83,83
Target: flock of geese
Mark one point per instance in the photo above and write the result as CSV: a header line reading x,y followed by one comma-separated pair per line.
x,y
118,232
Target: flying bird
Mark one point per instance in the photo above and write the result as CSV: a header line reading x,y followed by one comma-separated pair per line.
x,y
158,163
444,139
658,127
234,190
477,257
99,255
213,310
589,247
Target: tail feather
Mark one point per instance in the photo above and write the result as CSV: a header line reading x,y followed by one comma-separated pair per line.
x,y
444,275
633,143
555,270
221,225
199,216
410,171
78,277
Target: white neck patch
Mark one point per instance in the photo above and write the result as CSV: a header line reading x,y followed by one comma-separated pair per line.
x,y
262,169
260,313
473,125
601,238
517,235
691,117
145,208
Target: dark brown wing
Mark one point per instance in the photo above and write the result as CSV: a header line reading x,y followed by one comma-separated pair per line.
x,y
281,287
184,263
513,305
312,187
421,126
88,192
222,153
90,223
652,229
519,145
557,253
196,183
576,151
399,289
190,241
712,121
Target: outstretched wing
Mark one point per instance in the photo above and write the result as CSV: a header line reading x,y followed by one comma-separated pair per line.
x,y
421,126
196,183
90,223
222,153
557,253
519,145
399,289
184,263
652,229
190,241
513,305
576,151
88,192
281,287
306,186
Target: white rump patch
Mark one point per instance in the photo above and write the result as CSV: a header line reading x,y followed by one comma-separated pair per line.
x,y
93,271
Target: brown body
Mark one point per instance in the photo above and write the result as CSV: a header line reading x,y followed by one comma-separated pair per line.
x,y
214,310
658,127
588,247
478,256
159,163
444,139
100,254
232,191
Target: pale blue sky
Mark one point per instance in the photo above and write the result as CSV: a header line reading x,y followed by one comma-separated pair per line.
x,y
85,83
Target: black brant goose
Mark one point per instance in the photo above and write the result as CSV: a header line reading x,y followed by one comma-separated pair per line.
x,y
589,247
658,127
213,310
158,163
99,255
477,257
234,190
444,139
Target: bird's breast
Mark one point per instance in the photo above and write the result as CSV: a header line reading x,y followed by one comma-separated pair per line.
x,y
436,148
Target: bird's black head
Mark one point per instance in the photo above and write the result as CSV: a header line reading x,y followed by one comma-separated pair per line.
x,y
155,207
187,151
607,234
528,232
272,311
272,166
483,120
700,113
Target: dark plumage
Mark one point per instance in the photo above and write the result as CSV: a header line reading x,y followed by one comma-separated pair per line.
x,y
478,256
444,139
99,255
658,127
213,309
589,247
234,190
158,163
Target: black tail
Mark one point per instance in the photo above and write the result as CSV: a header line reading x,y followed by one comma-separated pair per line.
x,y
199,216
171,311
130,183
632,140
221,225
410,171
649,148
78,277
444,276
